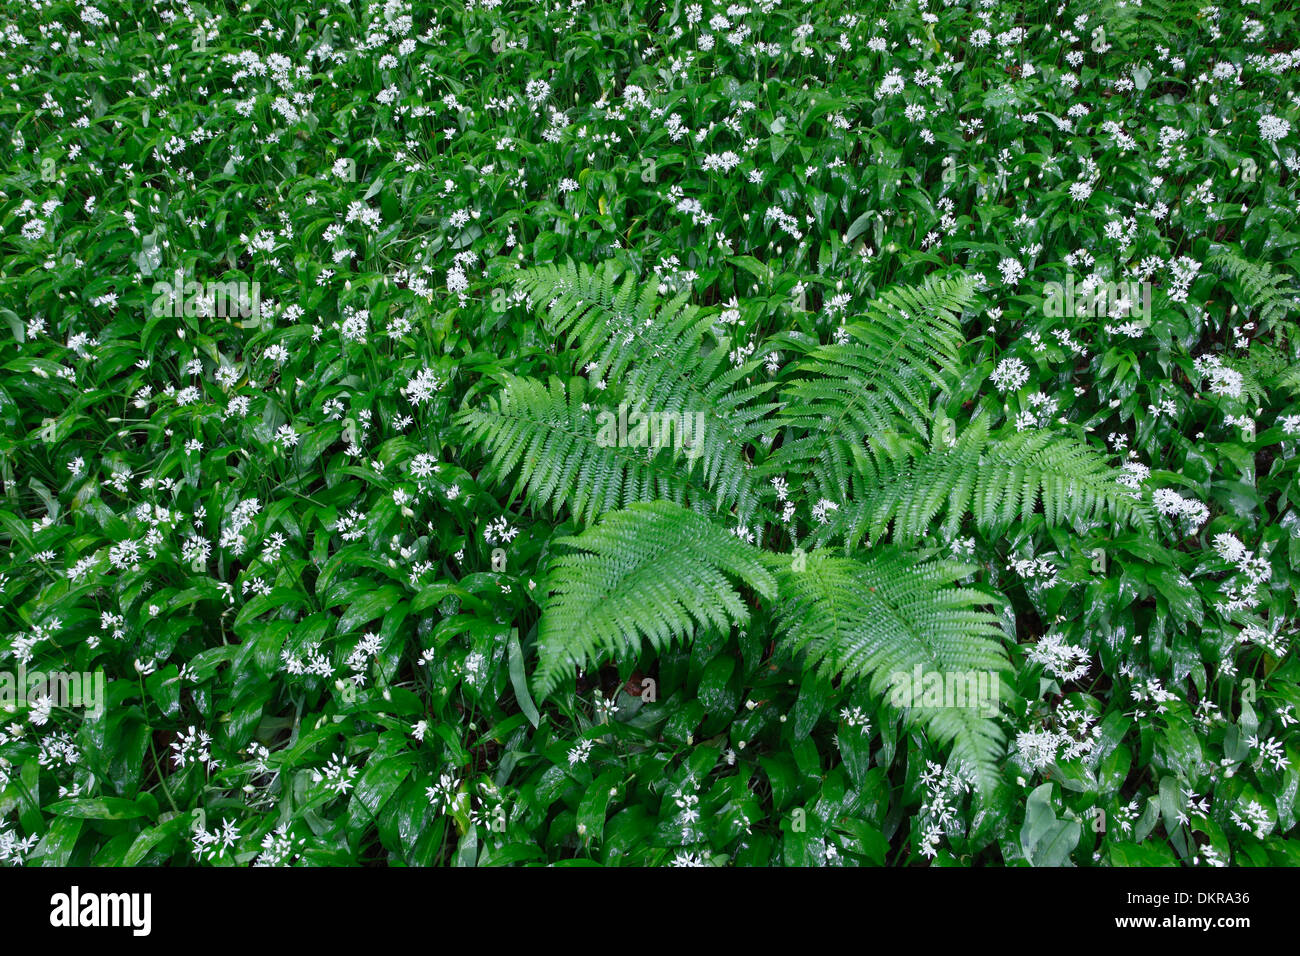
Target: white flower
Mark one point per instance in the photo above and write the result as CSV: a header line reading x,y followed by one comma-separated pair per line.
x,y
1064,661
1012,271
891,84
1272,128
421,388
337,776
580,752
1010,374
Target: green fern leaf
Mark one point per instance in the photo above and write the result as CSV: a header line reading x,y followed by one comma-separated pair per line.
x,y
881,380
888,615
997,479
663,357
854,425
1264,289
652,571
556,445
1288,379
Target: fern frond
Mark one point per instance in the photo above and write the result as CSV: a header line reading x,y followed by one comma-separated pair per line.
x,y
667,362
1068,478
879,381
602,320
997,479
1264,289
1288,379
653,570
543,431
687,376
1253,389
854,426
888,615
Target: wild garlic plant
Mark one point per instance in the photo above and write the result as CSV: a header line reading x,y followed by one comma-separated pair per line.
x,y
741,433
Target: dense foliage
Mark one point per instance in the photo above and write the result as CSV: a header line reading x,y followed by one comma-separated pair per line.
x,y
504,432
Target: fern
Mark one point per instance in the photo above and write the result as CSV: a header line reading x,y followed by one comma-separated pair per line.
x,y
544,431
1271,366
886,615
1264,289
1253,389
995,479
1288,379
666,361
597,316
879,381
659,561
652,570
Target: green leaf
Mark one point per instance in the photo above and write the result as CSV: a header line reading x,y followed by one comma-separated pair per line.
x,y
467,849
1045,840
100,808
594,806
654,571
520,682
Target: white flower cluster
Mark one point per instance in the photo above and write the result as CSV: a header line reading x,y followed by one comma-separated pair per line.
x,y
1066,662
1257,570
420,389
1174,505
1038,572
944,789
1223,380
1074,735
1010,375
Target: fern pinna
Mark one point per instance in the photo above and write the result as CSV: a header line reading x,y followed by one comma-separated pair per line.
x,y
806,499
